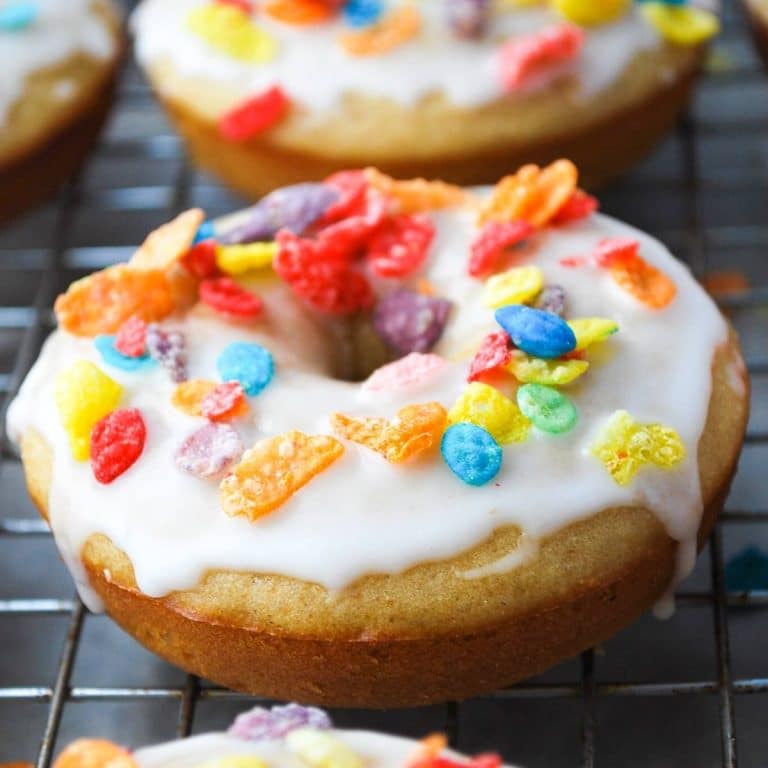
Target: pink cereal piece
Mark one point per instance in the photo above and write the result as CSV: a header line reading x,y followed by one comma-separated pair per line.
x,y
522,58
131,338
209,451
573,262
495,351
225,401
405,373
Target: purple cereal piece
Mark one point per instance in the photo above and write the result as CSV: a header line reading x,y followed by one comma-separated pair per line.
x,y
293,208
552,299
169,348
259,723
468,18
209,451
411,322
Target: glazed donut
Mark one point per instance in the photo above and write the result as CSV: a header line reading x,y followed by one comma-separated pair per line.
x,y
288,735
552,424
60,61
458,89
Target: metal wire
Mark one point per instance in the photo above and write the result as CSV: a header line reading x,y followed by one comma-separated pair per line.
x,y
35,319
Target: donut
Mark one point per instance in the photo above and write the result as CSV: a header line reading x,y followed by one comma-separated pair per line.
x,y
276,93
60,60
378,443
757,15
288,735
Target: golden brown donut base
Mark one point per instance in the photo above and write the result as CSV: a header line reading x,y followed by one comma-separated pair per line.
x,y
605,137
426,635
45,140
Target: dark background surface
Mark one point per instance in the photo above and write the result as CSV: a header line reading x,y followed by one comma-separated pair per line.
x,y
651,697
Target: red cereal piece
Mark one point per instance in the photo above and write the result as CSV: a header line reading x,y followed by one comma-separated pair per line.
x,y
489,244
224,402
200,259
616,250
353,186
522,58
400,246
573,262
117,441
346,239
131,337
255,115
229,298
579,206
346,292
495,352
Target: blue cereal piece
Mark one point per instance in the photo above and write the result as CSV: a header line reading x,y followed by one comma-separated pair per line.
x,y
536,332
106,348
471,453
18,15
250,364
206,231
362,13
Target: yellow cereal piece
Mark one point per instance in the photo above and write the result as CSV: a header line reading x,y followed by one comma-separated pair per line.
x,y
167,244
589,330
84,395
230,30
319,749
235,761
553,373
486,407
189,395
624,446
518,285
588,12
681,24
238,259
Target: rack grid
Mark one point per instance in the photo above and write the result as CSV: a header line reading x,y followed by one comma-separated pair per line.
x,y
704,193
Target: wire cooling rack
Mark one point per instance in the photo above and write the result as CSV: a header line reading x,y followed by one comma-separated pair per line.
x,y
692,691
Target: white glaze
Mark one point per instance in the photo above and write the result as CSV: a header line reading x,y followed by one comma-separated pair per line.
x,y
377,750
314,71
63,27
364,515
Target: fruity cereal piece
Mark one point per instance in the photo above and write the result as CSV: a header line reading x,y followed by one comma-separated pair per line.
x,y
273,470
409,322
518,285
471,453
362,13
645,282
532,194
103,301
165,245
238,259
228,297
131,337
209,451
578,206
416,195
415,429
320,749
117,441
409,372
494,352
588,12
468,19
254,115
400,246
589,330
189,395
548,410
298,12
262,724
486,407
553,373
250,364
224,402
524,57
552,299
491,241
538,333
169,348
667,448
615,250
94,753
105,345
84,395
398,26
230,30
623,446
200,259
681,25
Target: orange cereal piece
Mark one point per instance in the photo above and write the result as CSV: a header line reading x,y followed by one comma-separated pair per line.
x,y
103,301
532,194
415,429
273,470
94,753
645,282
299,11
165,245
397,27
416,195
188,396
